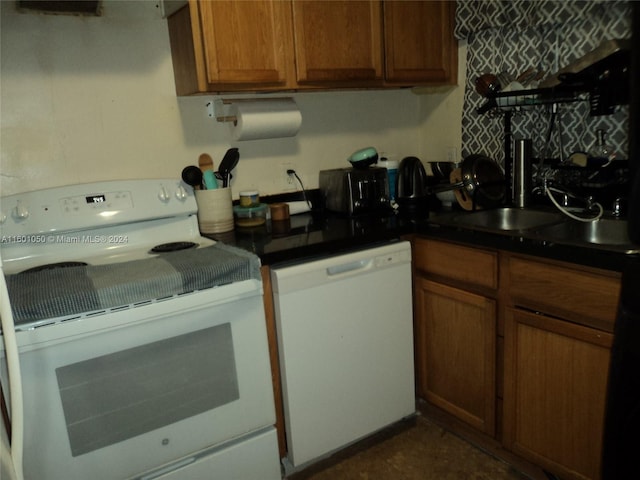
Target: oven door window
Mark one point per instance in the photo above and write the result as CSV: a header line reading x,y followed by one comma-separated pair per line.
x,y
118,396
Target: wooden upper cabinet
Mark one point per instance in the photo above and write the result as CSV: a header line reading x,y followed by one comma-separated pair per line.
x,y
232,45
419,44
338,41
263,45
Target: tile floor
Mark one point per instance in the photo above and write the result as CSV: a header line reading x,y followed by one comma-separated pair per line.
x,y
419,450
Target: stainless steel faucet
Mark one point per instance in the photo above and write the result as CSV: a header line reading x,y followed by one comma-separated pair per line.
x,y
617,209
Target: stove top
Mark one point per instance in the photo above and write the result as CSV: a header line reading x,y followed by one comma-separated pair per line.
x,y
173,247
53,266
98,223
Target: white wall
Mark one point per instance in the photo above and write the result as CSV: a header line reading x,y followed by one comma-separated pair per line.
x,y
92,98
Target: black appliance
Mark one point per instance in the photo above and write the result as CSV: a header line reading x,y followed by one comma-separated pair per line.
x,y
621,441
355,190
412,194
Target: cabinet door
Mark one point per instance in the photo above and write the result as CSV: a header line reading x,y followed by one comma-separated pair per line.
x,y
455,352
338,41
247,42
419,43
555,390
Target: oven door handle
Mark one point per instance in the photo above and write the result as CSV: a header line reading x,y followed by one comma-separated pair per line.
x,y
169,468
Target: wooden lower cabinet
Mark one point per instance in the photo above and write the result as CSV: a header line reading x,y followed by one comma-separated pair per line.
x,y
518,348
555,388
456,332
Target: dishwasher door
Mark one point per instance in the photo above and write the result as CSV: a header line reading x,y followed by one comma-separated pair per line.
x,y
345,338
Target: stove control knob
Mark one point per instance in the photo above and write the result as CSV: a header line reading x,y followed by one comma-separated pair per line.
x,y
163,195
181,193
20,212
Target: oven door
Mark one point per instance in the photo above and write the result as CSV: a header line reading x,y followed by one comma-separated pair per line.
x,y
123,393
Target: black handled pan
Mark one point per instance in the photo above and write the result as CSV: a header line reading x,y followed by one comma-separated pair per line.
x,y
478,183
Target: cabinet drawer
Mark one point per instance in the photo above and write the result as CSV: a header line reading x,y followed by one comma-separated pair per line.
x,y
456,262
581,296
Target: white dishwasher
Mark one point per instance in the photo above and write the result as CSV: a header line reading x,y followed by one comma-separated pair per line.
x,y
345,339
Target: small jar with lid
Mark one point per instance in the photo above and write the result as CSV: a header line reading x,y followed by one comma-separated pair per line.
x,y
249,198
250,216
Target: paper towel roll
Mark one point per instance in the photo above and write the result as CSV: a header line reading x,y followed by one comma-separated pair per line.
x,y
265,118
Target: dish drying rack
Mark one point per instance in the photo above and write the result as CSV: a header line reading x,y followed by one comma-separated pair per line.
x,y
601,77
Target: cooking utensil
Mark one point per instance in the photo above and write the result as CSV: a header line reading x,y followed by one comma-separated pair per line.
x,y
228,163
206,166
209,179
487,83
363,158
192,175
464,200
478,183
205,162
442,170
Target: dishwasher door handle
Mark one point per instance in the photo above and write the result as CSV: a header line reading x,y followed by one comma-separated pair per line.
x,y
349,267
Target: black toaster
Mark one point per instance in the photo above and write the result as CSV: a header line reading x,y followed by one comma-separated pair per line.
x,y
355,191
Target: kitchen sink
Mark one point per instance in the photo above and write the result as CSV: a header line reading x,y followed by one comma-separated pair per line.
x,y
545,225
505,219
605,233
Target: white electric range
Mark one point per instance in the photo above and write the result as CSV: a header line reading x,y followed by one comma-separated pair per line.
x,y
141,345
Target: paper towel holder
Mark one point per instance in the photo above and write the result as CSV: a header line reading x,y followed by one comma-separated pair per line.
x,y
216,108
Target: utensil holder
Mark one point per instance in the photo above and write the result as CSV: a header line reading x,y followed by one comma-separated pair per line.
x,y
215,210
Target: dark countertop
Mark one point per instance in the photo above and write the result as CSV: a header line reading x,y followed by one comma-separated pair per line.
x,y
312,235
317,234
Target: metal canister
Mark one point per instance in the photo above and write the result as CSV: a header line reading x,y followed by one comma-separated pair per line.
x,y
522,181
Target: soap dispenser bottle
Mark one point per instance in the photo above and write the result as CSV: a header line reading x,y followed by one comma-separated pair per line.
x,y
601,153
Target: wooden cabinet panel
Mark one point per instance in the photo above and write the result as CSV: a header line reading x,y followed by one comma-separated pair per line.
x,y
579,295
545,391
555,388
455,344
272,338
246,42
419,42
472,266
338,41
230,45
263,45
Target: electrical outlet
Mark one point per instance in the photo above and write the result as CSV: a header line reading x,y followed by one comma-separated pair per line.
x,y
288,182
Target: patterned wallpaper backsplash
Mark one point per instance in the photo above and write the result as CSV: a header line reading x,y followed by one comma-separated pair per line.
x,y
512,36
